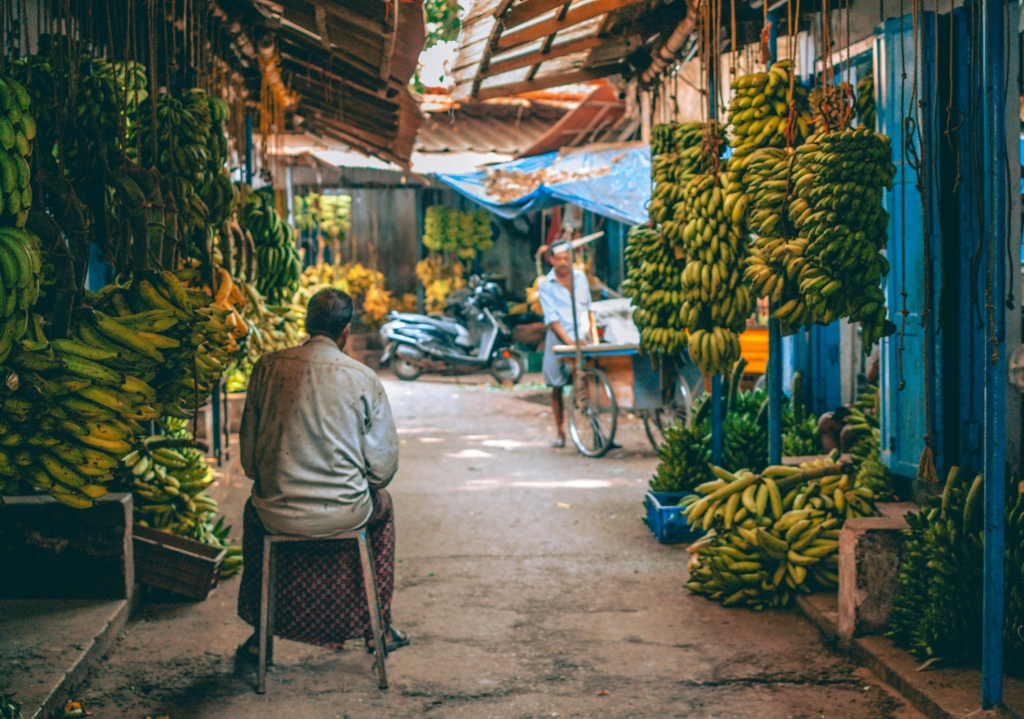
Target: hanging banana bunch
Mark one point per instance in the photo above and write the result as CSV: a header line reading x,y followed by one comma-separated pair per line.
x,y
839,178
717,302
653,285
680,156
866,109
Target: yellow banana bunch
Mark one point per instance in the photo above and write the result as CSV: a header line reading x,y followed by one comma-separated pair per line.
x,y
169,478
773,535
653,283
760,112
69,416
717,301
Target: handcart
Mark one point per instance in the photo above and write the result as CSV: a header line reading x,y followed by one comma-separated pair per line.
x,y
611,377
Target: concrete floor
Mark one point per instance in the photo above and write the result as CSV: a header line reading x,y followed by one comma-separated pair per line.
x,y
530,586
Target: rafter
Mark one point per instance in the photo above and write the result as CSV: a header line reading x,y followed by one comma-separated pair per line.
x,y
573,16
530,58
568,78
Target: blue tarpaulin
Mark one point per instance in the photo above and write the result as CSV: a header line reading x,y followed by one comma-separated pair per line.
x,y
621,193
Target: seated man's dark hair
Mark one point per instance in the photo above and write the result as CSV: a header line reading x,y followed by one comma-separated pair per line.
x,y
329,312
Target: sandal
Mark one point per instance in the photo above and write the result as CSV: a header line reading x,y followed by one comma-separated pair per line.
x,y
400,639
249,651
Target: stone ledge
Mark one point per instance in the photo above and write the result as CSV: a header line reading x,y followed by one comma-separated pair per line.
x,y
944,693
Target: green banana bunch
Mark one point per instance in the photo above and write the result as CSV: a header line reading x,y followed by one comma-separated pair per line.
x,y
653,284
760,112
936,612
866,111
21,261
277,260
683,460
775,260
106,102
182,154
681,156
717,302
9,707
220,195
17,131
169,478
773,535
838,180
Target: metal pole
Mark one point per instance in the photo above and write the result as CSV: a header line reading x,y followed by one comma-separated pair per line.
x,y
717,410
248,149
215,400
993,70
290,191
774,327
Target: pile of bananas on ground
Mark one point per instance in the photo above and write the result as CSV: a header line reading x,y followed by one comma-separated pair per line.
x,y
773,535
219,194
839,179
936,612
682,154
867,115
17,130
717,301
183,136
169,478
683,460
653,285
278,262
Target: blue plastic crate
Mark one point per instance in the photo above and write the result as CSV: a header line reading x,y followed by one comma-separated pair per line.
x,y
666,518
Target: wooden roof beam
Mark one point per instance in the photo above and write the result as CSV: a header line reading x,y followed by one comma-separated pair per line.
x,y
568,78
574,16
531,58
389,41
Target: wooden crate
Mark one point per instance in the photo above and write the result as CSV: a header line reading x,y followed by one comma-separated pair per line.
x,y
178,564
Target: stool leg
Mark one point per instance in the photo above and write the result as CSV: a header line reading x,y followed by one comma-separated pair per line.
x,y
265,593
373,606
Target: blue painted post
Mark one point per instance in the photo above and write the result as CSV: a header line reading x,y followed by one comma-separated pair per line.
x,y
717,410
774,328
993,68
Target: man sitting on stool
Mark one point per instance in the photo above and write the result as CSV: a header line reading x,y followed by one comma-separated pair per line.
x,y
318,441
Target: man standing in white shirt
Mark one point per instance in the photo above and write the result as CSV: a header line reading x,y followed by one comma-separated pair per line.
x,y
556,301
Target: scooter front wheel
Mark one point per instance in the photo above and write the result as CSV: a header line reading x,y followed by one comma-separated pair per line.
x,y
508,367
404,369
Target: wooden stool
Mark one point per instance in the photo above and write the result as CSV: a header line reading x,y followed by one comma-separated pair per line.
x,y
267,599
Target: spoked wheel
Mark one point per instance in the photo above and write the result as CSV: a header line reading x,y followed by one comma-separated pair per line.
x,y
656,421
593,413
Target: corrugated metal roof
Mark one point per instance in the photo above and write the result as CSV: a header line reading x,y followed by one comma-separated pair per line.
x,y
487,127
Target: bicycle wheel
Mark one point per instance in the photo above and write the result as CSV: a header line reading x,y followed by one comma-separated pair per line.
x,y
593,413
656,421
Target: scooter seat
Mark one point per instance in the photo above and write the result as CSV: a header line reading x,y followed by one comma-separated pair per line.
x,y
443,325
